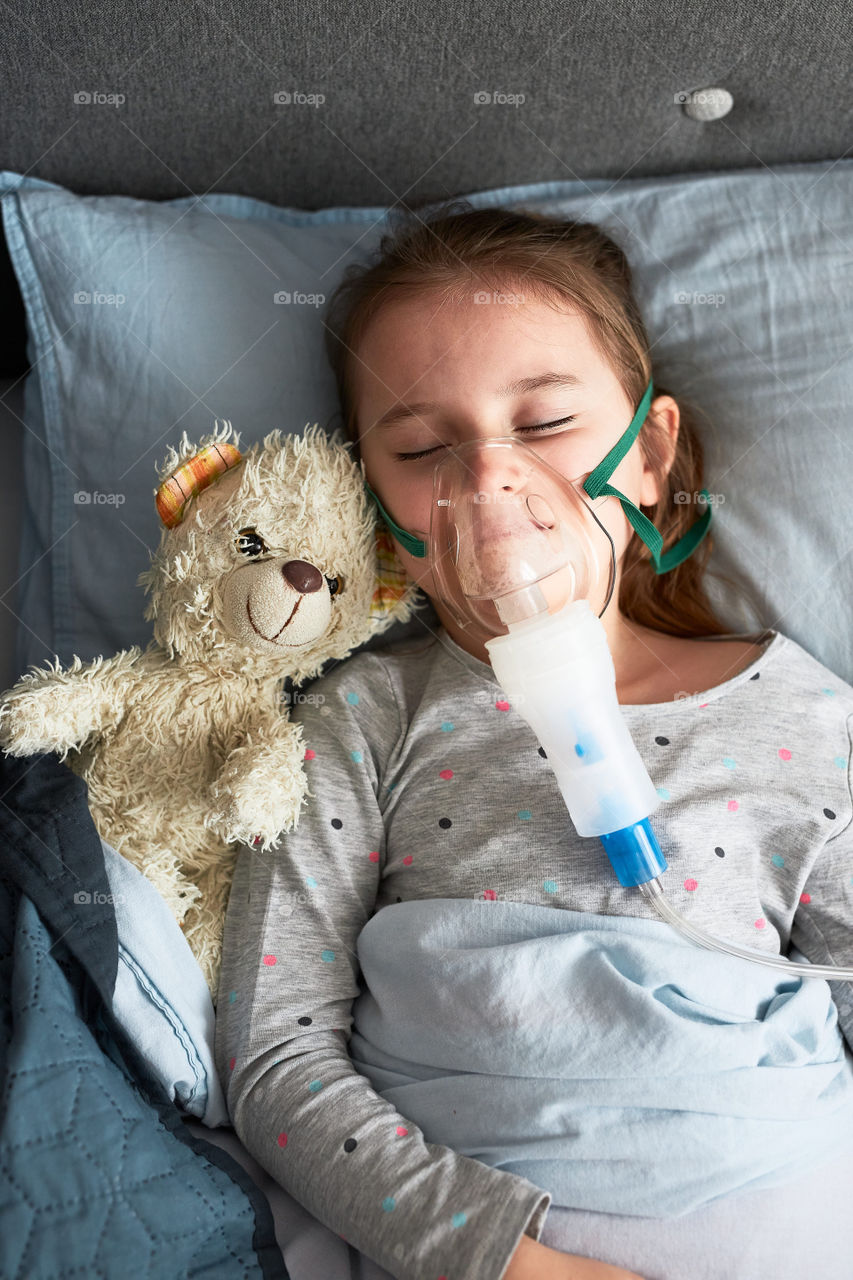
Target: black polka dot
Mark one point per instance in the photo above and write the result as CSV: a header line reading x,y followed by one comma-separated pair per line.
x,y
350,1144
755,677
721,853
445,823
399,899
305,1022
337,824
828,813
542,753
662,742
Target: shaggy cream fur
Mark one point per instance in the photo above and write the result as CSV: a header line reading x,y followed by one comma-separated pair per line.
x,y
186,747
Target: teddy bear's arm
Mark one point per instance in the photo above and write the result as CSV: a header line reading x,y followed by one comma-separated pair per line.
x,y
56,710
260,789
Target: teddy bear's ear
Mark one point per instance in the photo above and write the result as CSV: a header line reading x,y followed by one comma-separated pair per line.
x,y
191,477
392,582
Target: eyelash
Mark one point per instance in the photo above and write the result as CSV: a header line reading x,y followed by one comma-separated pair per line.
x,y
542,426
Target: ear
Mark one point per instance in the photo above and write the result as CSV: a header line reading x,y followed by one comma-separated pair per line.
x,y
665,413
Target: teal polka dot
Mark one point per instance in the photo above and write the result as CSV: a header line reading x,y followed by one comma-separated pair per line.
x,y
777,860
315,1086
830,693
357,757
841,761
311,882
390,786
459,1219
550,886
728,762
447,727
663,793
232,996
388,1203
328,956
525,815
352,699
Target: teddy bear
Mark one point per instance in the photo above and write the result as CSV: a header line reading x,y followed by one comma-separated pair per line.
x,y
270,564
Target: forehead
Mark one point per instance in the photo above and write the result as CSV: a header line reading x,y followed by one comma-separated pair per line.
x,y
426,338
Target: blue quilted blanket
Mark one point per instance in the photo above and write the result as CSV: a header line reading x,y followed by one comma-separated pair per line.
x,y
98,1173
605,1058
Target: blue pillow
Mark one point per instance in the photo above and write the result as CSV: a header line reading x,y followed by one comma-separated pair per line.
x,y
147,319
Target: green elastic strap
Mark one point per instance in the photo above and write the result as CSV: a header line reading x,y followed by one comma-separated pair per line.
x,y
414,546
596,485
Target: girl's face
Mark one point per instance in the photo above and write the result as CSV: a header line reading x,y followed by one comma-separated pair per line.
x,y
431,376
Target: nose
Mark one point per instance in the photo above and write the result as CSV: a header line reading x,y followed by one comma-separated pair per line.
x,y
494,468
302,576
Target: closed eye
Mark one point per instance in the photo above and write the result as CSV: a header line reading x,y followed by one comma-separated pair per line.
x,y
541,426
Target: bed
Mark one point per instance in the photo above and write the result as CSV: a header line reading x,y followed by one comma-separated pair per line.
x,y
170,176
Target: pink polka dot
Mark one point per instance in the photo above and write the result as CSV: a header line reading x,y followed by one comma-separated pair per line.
x,y
805,897
231,1064
374,855
309,754
447,774
490,894
408,860
269,960
690,885
760,922
402,1131
784,753
733,806
702,705
502,705
282,1139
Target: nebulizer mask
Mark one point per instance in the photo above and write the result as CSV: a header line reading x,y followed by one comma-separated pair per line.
x,y
523,563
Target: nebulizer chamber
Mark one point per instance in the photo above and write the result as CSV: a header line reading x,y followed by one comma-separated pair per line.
x,y
517,554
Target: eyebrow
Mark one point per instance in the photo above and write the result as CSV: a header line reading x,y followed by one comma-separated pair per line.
x,y
401,412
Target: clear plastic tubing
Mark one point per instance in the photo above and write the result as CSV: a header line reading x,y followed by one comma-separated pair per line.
x,y
557,671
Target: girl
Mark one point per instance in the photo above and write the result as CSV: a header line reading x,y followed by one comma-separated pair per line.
x,y
474,324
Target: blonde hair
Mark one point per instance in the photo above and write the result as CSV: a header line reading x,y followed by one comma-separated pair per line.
x,y
457,249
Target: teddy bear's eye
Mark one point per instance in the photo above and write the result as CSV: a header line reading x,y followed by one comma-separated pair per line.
x,y
335,584
250,542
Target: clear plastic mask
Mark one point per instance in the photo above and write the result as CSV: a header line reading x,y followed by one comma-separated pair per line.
x,y
510,537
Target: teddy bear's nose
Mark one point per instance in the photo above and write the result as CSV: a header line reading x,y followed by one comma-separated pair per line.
x,y
302,576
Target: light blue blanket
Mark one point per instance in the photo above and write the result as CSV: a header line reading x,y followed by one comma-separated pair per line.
x,y
607,1059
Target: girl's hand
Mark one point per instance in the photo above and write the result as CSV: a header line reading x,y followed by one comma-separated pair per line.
x,y
533,1260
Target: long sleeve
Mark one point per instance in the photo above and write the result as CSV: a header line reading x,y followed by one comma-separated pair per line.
x,y
822,928
289,976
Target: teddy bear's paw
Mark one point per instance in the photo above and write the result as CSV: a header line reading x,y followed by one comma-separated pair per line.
x,y
247,811
226,820
37,722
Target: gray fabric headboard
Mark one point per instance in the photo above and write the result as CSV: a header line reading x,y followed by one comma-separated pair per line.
x,y
158,100
599,84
